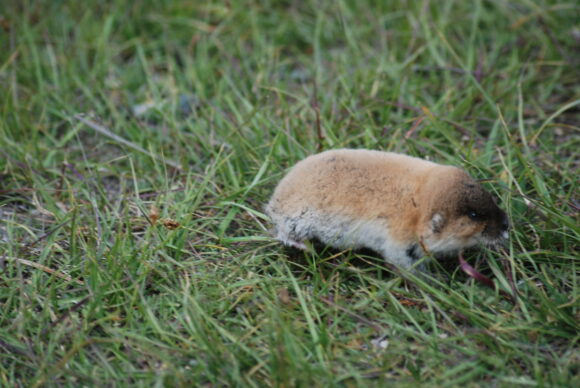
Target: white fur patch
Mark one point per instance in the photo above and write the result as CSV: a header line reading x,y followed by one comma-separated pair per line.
x,y
342,232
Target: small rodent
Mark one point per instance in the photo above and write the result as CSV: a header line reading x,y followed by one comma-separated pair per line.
x,y
396,205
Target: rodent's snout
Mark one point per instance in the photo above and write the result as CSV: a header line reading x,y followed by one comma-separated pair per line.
x,y
497,226
505,223
505,226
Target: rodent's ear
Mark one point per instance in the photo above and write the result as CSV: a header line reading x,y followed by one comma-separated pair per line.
x,y
437,222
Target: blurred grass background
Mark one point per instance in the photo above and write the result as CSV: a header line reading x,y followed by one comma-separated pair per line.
x,y
139,142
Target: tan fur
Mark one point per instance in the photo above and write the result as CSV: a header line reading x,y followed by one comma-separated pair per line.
x,y
383,201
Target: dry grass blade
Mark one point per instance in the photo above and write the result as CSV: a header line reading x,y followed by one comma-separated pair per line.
x,y
14,349
46,269
47,234
74,308
104,131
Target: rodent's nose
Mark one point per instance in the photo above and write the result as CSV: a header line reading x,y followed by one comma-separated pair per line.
x,y
505,223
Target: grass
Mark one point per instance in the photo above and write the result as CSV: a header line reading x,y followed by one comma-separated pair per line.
x,y
139,142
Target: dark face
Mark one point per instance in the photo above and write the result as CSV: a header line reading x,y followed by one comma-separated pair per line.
x,y
478,205
462,215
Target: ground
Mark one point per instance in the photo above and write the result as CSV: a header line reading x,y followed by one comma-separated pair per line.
x,y
140,141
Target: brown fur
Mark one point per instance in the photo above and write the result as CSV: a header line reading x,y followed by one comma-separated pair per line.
x,y
415,200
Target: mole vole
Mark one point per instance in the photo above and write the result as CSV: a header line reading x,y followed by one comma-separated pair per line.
x,y
396,205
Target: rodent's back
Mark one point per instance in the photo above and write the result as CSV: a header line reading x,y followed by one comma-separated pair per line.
x,y
359,183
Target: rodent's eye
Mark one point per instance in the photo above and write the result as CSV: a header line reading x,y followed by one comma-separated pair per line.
x,y
475,216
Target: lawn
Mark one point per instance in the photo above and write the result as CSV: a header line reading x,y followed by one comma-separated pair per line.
x,y
140,141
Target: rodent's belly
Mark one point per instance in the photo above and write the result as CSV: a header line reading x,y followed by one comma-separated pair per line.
x,y
343,232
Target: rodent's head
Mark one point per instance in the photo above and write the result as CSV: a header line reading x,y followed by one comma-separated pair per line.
x,y
461,214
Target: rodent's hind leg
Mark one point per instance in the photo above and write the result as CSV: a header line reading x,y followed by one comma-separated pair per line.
x,y
295,244
288,240
292,232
